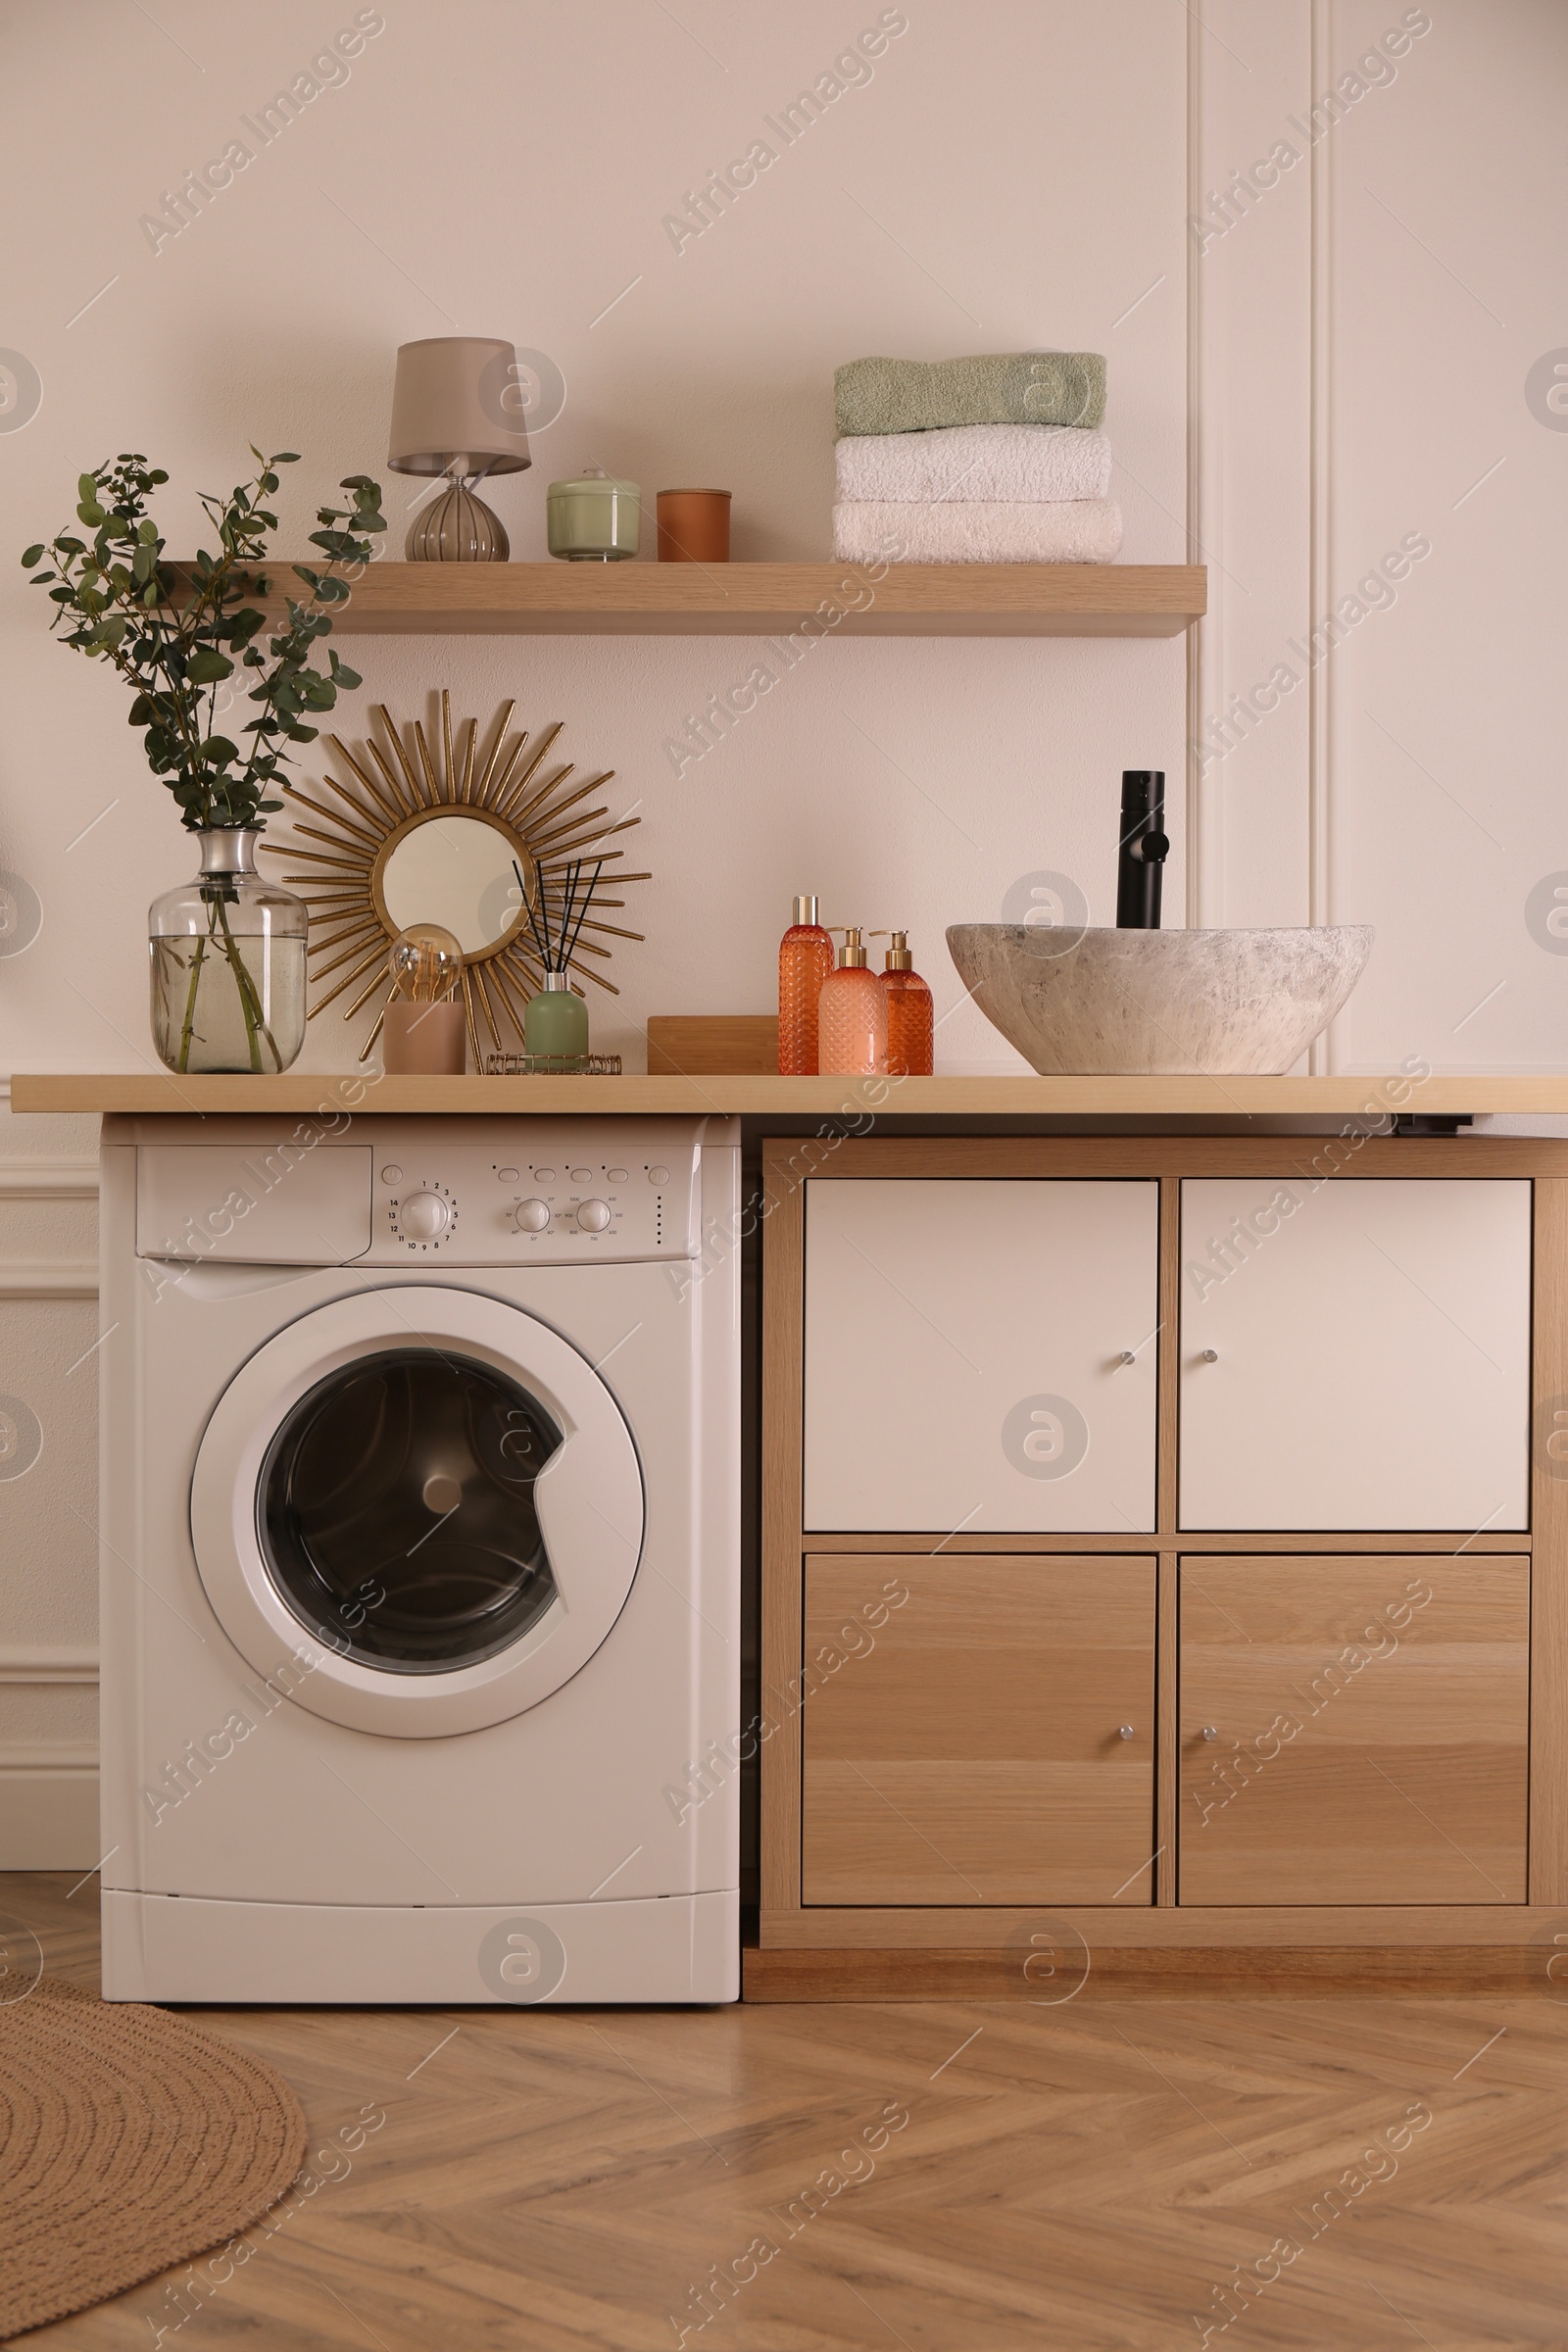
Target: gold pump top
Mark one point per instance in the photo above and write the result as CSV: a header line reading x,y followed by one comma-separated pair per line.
x,y
896,956
851,955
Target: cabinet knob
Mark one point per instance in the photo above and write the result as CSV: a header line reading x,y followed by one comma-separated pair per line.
x,y
1127,1356
1211,1355
1127,1731
1210,1732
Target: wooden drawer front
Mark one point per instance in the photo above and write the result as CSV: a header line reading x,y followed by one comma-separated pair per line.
x,y
968,1749
1372,1346
964,1351
1373,1730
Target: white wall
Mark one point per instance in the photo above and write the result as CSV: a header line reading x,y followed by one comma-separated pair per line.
x,y
1288,400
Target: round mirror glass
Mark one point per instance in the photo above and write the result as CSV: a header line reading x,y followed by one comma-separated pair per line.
x,y
456,870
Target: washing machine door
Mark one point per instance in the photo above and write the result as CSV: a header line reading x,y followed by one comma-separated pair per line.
x,y
417,1512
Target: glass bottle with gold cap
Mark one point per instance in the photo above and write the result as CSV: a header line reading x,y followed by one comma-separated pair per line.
x,y
851,1016
805,961
908,1002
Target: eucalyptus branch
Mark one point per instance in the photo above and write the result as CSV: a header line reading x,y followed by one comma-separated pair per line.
x,y
175,641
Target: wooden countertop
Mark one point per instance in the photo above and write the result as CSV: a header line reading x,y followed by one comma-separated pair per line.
x,y
761,1097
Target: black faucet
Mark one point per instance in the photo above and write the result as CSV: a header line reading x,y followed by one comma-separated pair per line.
x,y
1145,847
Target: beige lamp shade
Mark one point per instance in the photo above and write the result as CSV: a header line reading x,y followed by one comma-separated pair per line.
x,y
458,407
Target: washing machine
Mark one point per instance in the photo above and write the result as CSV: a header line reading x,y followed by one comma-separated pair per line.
x,y
420,1582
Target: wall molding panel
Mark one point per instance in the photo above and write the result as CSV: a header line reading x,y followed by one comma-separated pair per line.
x,y
26,1178
39,1662
48,1278
48,1807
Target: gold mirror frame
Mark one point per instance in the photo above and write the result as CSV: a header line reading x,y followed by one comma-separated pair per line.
x,y
389,799
516,848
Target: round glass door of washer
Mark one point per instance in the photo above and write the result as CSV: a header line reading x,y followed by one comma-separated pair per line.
x,y
395,1509
420,1503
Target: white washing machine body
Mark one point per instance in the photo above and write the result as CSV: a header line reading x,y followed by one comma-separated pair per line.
x,y
421,1559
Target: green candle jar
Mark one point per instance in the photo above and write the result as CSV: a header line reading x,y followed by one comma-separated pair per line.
x,y
593,518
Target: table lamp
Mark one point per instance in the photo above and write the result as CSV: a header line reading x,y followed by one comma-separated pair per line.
x,y
457,409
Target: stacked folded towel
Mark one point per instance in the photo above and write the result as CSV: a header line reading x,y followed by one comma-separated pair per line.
x,y
974,461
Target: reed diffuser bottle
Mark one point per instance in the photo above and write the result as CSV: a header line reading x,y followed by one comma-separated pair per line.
x,y
851,1016
805,961
909,1003
555,1022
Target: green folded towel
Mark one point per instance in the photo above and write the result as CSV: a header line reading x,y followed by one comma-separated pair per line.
x,y
1015,387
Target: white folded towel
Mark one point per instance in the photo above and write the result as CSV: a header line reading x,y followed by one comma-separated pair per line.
x,y
970,461
1080,531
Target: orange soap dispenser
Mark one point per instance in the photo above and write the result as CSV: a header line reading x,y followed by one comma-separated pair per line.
x,y
909,1002
805,961
851,1016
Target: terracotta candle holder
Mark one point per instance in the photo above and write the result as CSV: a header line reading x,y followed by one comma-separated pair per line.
x,y
693,526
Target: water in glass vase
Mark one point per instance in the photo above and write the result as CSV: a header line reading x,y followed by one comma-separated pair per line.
x,y
227,954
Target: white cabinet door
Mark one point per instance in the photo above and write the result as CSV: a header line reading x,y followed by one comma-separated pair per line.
x,y
964,1355
1370,1345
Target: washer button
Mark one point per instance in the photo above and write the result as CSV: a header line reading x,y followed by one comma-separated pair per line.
x,y
390,1175
531,1216
583,1175
659,1175
592,1216
506,1175
544,1175
616,1175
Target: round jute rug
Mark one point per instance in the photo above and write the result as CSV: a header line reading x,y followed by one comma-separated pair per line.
x,y
129,2141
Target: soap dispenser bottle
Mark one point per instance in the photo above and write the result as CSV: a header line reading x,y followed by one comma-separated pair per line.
x,y
851,1016
805,961
908,1002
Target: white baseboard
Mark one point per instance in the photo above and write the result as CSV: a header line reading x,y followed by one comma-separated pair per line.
x,y
48,1816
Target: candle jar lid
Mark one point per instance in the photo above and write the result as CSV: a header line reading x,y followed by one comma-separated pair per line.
x,y
593,478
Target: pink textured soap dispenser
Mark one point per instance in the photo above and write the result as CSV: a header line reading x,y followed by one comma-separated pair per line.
x,y
805,961
851,1016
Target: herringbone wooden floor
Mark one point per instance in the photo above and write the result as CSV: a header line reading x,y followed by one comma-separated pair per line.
x,y
1094,2175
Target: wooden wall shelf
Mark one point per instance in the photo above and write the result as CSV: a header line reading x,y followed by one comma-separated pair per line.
x,y
300,1090
765,600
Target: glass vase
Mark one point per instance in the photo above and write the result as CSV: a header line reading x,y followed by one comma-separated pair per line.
x,y
228,957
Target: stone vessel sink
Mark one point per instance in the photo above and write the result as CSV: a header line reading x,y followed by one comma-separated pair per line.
x,y
1184,1002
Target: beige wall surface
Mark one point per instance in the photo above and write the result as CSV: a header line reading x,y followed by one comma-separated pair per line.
x,y
1319,242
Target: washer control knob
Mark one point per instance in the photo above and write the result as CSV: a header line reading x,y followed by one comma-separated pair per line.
x,y
424,1216
592,1216
531,1216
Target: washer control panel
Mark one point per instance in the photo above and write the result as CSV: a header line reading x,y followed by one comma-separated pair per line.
x,y
512,1191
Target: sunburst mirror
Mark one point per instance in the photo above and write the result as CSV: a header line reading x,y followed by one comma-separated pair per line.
x,y
441,833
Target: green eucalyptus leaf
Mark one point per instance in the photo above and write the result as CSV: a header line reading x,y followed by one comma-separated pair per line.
x,y
32,555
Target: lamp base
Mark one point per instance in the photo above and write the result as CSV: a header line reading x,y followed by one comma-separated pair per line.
x,y
458,528
424,1041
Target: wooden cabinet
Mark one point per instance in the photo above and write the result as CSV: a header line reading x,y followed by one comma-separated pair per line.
x,y
1372,1729
1354,1355
964,1744
1323,1514
980,1355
